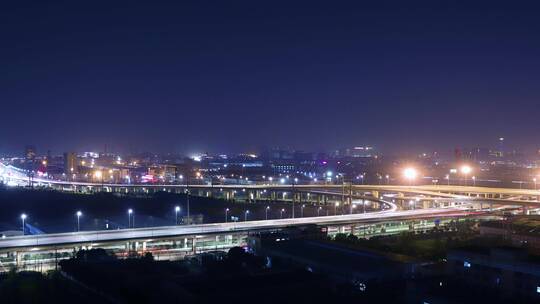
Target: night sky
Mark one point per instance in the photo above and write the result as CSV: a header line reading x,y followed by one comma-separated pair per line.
x,y
228,76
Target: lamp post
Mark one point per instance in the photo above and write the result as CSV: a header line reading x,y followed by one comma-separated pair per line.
x,y
176,210
79,213
23,217
281,213
474,181
335,208
246,215
266,212
226,214
363,206
302,210
295,180
130,211
465,170
187,198
319,211
447,177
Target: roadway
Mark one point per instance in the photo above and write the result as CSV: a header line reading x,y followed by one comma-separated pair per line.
x,y
503,196
86,237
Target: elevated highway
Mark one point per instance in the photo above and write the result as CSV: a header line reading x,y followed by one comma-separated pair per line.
x,y
33,242
320,191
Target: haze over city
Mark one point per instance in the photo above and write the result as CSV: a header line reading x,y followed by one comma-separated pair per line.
x,y
200,76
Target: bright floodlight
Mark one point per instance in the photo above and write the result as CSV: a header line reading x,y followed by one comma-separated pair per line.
x,y
23,216
466,169
130,211
79,213
177,208
410,173
97,174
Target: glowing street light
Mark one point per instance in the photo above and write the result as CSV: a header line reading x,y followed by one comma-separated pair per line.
x,y
266,212
246,215
130,212
466,170
410,174
319,211
302,210
23,217
226,214
335,208
281,213
176,210
79,214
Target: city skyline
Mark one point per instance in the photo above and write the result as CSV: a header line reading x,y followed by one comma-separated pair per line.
x,y
233,77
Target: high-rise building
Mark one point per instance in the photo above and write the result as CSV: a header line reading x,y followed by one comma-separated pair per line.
x,y
30,153
70,163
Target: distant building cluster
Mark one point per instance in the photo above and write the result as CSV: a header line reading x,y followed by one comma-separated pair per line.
x,y
355,164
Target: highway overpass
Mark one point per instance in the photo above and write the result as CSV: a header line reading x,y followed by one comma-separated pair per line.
x,y
89,237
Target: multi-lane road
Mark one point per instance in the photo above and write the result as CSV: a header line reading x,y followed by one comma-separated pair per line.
x,y
502,196
218,228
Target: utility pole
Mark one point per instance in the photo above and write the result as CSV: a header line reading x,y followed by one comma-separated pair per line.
x,y
350,197
187,198
293,197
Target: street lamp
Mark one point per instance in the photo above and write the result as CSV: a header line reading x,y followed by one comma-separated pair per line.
x,y
410,174
130,211
302,210
281,213
226,214
176,210
295,181
79,213
447,177
465,170
474,180
245,215
23,217
387,179
335,208
534,180
319,211
266,212
363,206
